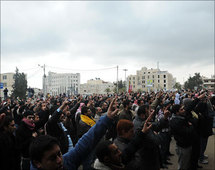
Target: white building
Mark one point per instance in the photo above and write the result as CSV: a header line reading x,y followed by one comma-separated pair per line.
x,y
8,80
151,79
59,83
209,83
97,86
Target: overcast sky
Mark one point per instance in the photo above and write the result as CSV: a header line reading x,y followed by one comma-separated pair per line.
x,y
92,38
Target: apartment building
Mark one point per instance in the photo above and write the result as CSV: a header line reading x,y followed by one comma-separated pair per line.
x,y
59,83
209,83
97,86
151,79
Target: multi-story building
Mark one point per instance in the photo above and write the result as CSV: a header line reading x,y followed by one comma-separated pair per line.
x,y
97,86
59,83
7,79
151,79
209,83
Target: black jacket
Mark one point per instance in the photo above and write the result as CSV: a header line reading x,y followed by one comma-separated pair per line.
x,y
54,129
181,131
24,138
9,153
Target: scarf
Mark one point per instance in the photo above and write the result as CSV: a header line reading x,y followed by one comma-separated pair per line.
x,y
89,121
29,124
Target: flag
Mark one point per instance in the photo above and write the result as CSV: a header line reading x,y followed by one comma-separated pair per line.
x,y
129,87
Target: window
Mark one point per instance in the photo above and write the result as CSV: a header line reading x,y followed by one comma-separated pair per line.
x,y
133,78
143,82
164,76
148,77
148,72
164,85
158,76
133,82
164,81
4,77
143,77
134,86
153,82
144,86
158,81
153,76
144,73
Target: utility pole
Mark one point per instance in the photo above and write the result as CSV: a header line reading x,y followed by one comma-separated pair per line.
x,y
117,87
44,77
125,79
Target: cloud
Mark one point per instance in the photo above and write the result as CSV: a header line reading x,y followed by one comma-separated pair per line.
x,y
105,34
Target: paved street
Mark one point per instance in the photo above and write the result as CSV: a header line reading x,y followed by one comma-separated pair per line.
x,y
210,151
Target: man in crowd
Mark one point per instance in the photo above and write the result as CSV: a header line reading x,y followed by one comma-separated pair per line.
x,y
46,154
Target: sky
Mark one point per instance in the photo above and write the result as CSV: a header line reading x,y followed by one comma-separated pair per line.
x,y
93,38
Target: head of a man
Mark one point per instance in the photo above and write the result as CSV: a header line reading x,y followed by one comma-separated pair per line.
x,y
29,115
104,106
127,104
125,129
45,153
8,125
143,111
86,111
108,153
98,110
178,109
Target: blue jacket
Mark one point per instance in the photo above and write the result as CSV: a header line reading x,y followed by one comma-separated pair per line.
x,y
73,158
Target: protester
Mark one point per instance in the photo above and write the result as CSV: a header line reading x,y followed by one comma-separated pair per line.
x,y
111,158
9,153
34,117
126,112
25,134
46,154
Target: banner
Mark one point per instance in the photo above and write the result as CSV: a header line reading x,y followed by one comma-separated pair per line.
x,y
129,87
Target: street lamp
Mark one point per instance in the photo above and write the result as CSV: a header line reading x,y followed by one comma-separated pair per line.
x,y
125,78
44,76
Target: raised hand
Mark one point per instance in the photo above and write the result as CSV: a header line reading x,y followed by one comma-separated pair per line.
x,y
112,112
147,124
166,112
64,104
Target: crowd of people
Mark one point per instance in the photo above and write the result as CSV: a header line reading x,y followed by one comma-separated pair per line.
x,y
106,132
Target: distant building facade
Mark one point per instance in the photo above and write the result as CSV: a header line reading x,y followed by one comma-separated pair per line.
x,y
7,79
151,79
59,83
209,83
97,86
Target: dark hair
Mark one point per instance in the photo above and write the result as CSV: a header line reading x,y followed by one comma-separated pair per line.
x,y
175,108
102,150
40,145
139,101
7,120
28,112
142,109
84,109
202,108
126,102
125,125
